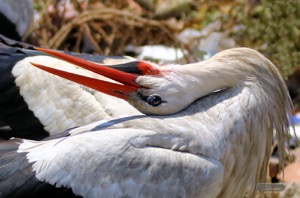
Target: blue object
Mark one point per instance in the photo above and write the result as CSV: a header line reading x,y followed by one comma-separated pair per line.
x,y
296,119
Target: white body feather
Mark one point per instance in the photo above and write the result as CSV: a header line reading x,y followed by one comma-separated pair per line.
x,y
60,104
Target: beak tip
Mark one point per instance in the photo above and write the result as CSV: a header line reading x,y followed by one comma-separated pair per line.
x,y
35,64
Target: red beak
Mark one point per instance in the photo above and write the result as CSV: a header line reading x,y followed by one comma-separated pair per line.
x,y
127,80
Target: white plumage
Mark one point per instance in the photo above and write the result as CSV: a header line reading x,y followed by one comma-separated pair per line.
x,y
210,135
60,104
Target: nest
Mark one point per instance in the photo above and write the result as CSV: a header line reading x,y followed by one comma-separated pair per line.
x,y
104,27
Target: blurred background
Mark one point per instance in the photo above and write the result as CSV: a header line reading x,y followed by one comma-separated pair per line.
x,y
173,31
197,29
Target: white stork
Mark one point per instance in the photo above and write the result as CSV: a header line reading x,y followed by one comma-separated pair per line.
x,y
35,104
206,131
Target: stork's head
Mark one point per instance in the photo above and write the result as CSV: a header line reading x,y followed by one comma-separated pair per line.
x,y
149,88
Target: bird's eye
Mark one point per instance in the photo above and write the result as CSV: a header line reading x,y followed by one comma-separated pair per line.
x,y
154,100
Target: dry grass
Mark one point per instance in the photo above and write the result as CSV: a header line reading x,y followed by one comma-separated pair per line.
x,y
99,26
